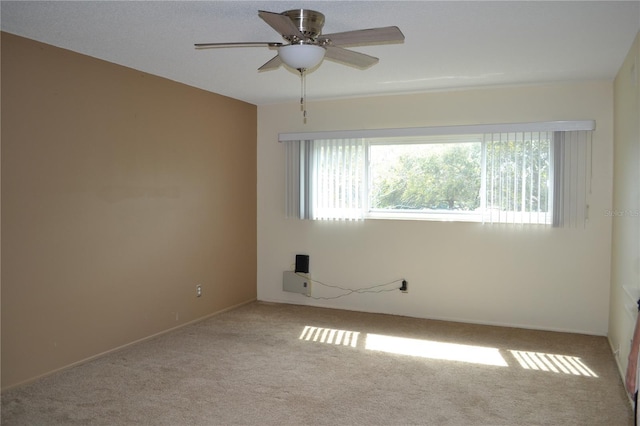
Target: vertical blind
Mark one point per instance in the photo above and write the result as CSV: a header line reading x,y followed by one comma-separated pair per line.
x,y
572,183
517,174
537,177
325,179
338,170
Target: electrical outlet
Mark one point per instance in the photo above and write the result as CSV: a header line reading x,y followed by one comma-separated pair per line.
x,y
198,290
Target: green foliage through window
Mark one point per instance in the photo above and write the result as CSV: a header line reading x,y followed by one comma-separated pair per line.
x,y
443,176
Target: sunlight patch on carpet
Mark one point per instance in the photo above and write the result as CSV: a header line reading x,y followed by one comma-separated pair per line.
x,y
552,363
330,336
535,361
436,350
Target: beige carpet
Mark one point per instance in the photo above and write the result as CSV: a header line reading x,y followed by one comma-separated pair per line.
x,y
270,364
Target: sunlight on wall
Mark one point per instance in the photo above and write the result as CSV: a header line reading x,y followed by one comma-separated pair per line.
x,y
435,350
552,363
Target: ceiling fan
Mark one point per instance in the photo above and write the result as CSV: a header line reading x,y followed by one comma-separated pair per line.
x,y
306,46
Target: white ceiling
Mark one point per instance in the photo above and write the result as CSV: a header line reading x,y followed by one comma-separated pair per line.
x,y
448,45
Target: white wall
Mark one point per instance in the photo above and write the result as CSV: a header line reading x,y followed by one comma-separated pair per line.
x,y
533,277
625,266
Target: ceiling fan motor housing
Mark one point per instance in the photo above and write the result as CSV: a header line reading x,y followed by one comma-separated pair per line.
x,y
309,22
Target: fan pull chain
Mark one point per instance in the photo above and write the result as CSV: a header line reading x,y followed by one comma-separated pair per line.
x,y
303,94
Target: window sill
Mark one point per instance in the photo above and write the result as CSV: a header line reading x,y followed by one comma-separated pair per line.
x,y
468,217
436,217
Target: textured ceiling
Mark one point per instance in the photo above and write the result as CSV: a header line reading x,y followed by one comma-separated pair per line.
x,y
448,45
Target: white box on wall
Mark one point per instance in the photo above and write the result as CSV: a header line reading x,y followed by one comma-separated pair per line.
x,y
296,283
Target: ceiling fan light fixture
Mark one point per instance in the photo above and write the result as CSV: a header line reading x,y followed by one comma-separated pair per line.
x,y
301,56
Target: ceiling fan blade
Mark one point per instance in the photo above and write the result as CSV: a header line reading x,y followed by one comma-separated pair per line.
x,y
282,24
272,64
369,36
236,44
349,57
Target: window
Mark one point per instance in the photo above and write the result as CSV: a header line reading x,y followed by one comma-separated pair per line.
x,y
523,177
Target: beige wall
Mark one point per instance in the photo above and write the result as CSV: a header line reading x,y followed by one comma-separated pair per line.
x,y
120,192
543,278
625,255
